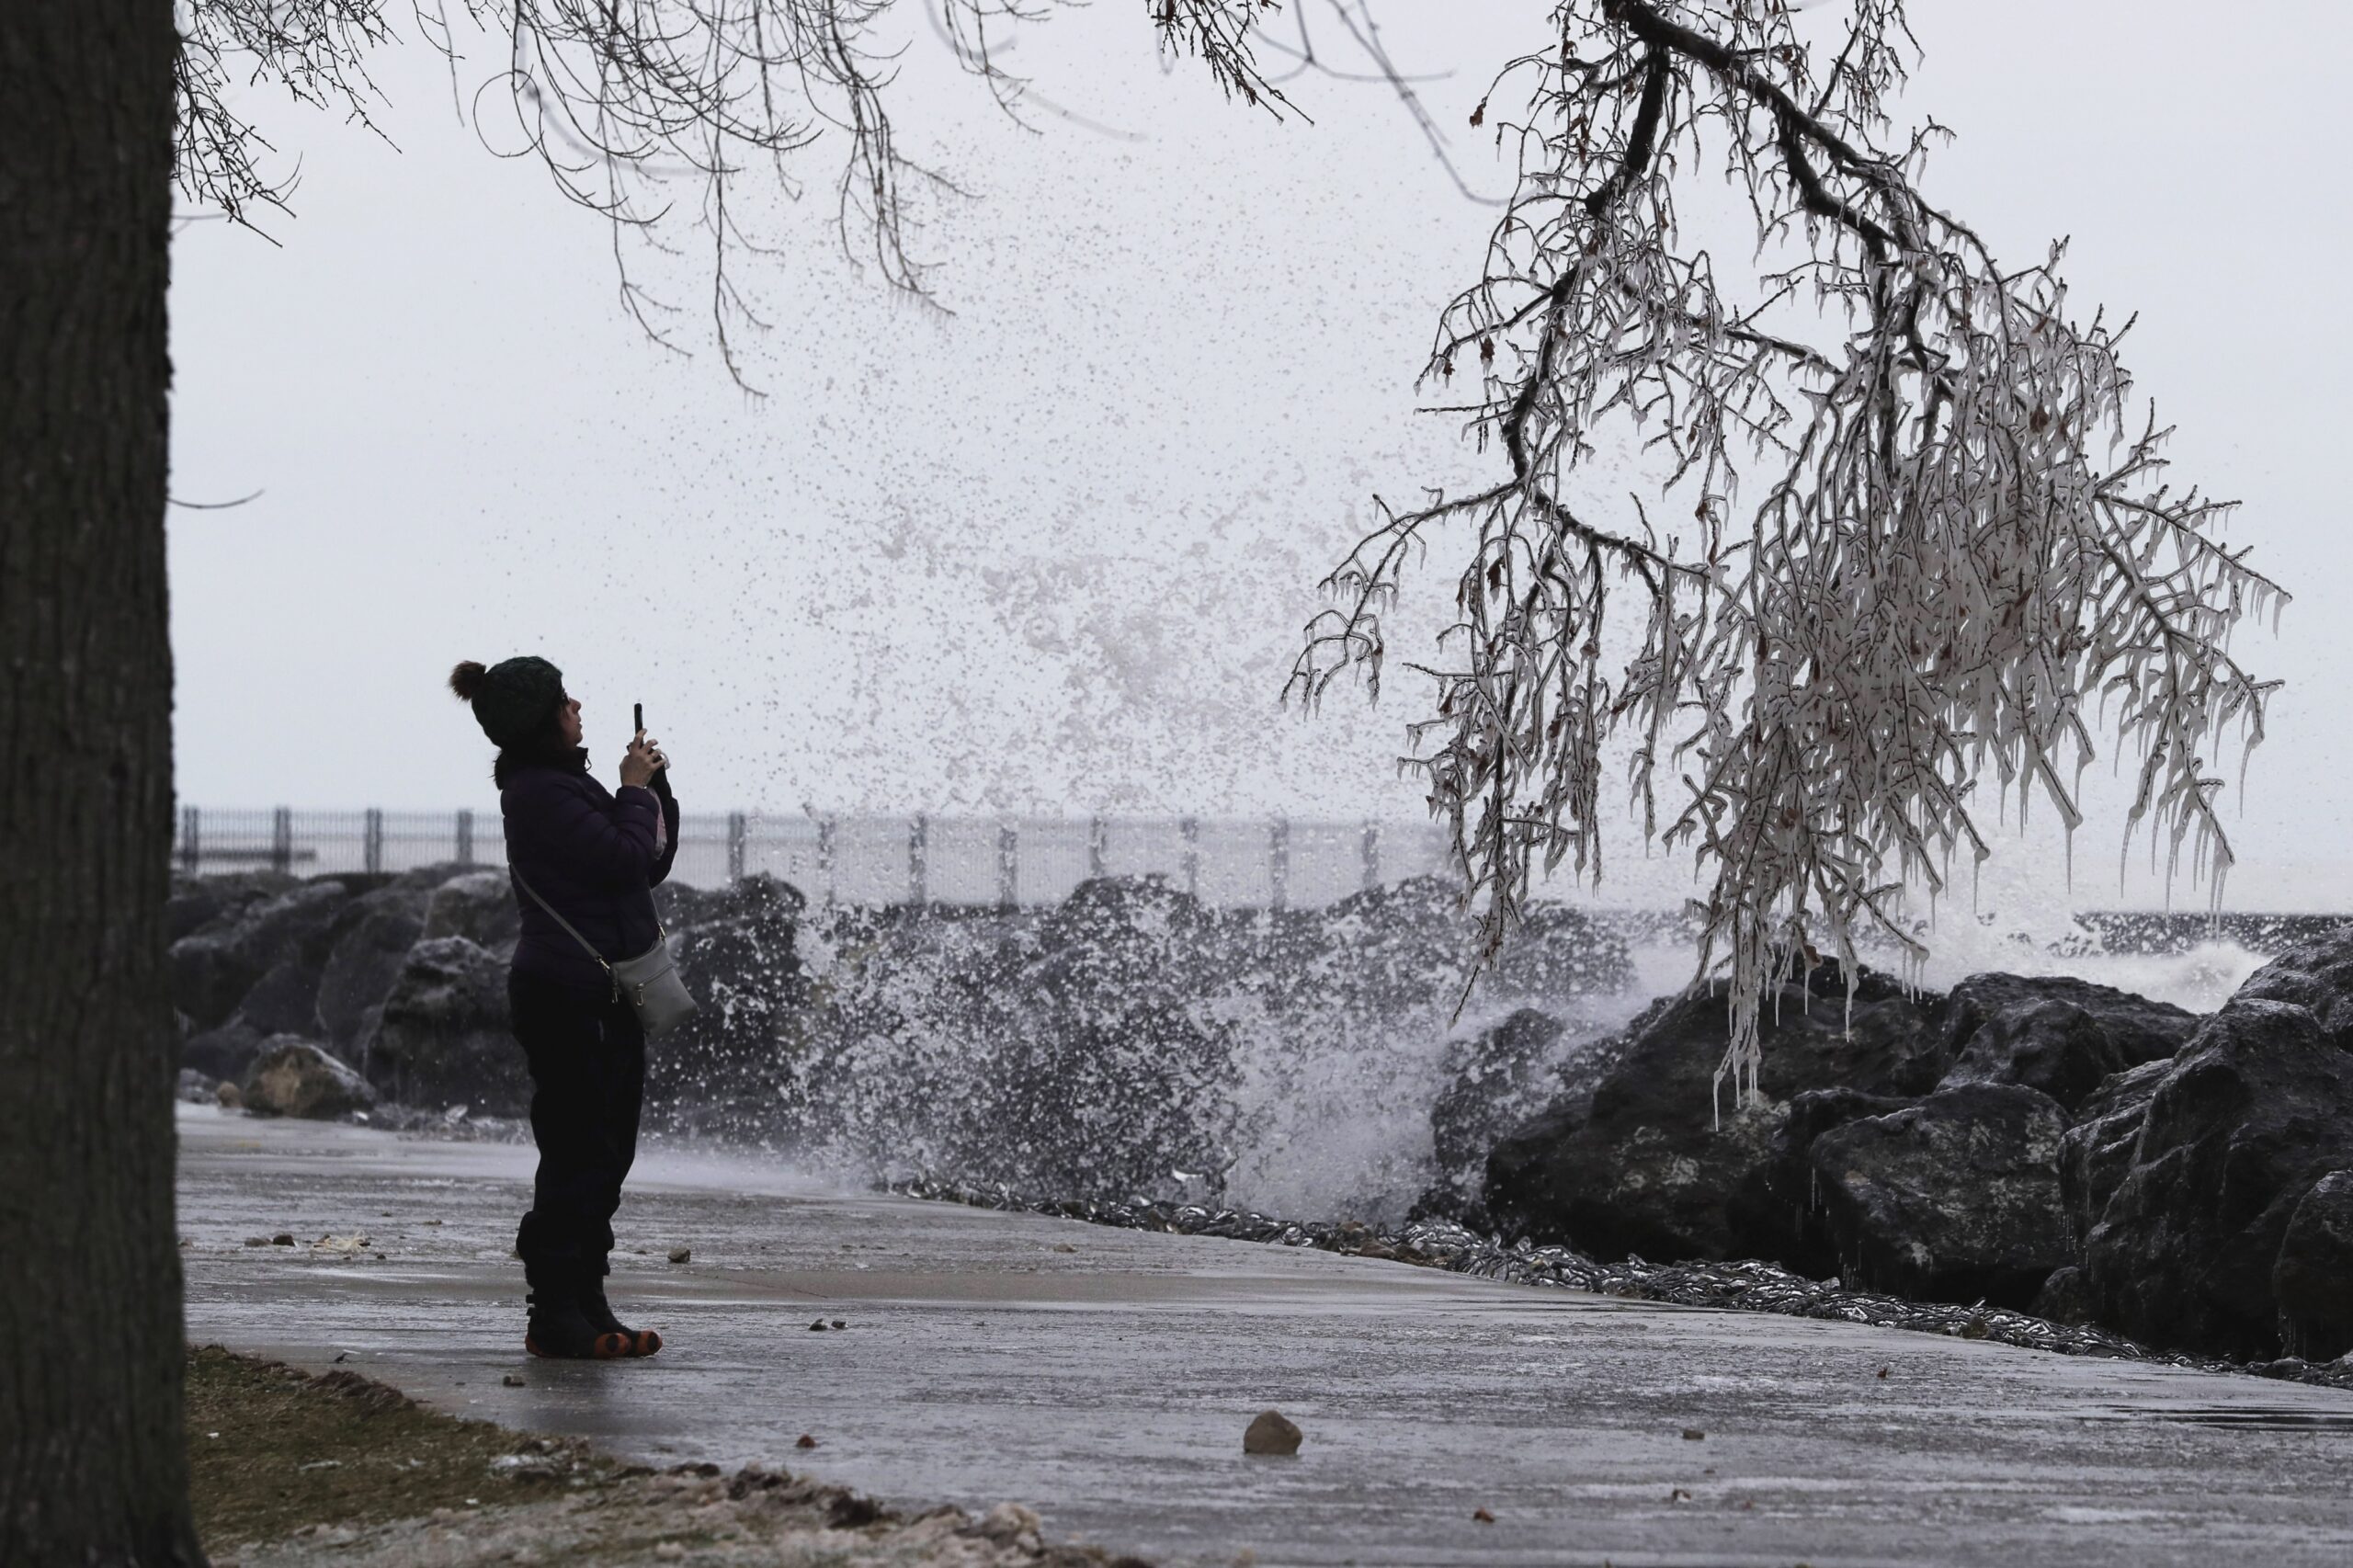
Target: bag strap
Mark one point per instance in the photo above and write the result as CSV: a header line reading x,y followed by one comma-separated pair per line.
x,y
559,919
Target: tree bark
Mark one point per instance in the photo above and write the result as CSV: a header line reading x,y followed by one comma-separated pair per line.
x,y
92,1465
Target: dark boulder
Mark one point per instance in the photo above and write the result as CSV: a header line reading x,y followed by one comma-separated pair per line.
x,y
292,1076
214,967
1953,1200
197,902
285,1000
1490,1077
445,1039
224,1051
370,947
2313,1278
2054,1033
2064,1298
2254,1112
2098,1150
1651,1166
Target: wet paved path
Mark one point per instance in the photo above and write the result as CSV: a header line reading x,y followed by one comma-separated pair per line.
x,y
1105,1376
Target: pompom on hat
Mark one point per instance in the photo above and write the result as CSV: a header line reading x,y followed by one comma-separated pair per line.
x,y
514,699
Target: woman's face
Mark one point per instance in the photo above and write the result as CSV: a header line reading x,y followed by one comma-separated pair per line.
x,y
568,721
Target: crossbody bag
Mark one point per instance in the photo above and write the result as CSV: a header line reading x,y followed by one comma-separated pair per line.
x,y
650,982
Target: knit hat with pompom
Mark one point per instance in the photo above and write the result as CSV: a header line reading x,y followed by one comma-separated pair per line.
x,y
515,699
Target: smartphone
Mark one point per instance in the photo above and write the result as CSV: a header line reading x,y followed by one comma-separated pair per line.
x,y
636,714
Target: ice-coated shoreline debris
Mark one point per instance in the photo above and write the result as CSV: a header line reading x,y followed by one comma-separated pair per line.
x,y
1749,1285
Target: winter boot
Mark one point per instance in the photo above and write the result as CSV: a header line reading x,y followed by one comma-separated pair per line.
x,y
559,1330
599,1313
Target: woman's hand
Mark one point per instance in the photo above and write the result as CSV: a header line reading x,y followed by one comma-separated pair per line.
x,y
638,766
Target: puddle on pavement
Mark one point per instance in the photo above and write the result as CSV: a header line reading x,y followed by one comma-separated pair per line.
x,y
2235,1417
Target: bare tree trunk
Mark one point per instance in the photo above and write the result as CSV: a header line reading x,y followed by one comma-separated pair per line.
x,y
92,1467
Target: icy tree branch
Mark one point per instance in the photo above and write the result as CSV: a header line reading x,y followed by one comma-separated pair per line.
x,y
1953,562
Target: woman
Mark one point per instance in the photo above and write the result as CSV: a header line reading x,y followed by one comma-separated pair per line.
x,y
594,857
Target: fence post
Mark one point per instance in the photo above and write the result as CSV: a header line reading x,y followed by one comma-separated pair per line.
x,y
918,855
191,839
1278,864
1008,867
1191,829
281,838
465,838
825,855
373,841
734,846
1371,856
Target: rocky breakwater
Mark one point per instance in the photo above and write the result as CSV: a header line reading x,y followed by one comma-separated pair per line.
x,y
2039,1143
326,995
1130,1041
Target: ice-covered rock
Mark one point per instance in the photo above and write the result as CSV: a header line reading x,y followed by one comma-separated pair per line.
x,y
445,1036
2055,1033
1651,1163
2251,1115
1953,1200
263,956
479,906
2097,1148
2312,1279
1777,1212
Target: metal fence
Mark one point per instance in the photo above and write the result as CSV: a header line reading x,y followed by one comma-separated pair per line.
x,y
873,861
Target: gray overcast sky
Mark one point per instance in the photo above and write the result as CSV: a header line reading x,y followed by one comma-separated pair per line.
x,y
1050,552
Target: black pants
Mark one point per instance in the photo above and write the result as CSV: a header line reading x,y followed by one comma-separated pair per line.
x,y
587,1057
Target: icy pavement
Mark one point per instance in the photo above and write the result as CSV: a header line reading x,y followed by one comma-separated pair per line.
x,y
1105,1378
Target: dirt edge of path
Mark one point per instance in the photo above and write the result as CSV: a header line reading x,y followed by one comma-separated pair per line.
x,y
289,1469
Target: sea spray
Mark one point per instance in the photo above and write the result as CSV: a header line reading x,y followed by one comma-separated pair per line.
x,y
1134,1043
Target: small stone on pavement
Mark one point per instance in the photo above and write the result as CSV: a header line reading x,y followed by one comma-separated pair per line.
x,y
681,1255
1271,1434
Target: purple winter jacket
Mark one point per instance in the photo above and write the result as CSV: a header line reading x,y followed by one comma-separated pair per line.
x,y
590,853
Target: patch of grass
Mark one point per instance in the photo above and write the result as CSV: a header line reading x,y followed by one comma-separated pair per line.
x,y
272,1450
